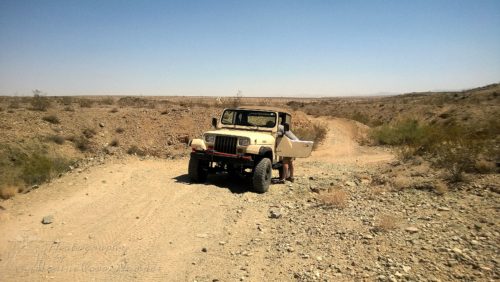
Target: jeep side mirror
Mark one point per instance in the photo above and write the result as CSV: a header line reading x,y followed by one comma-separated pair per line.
x,y
286,126
214,122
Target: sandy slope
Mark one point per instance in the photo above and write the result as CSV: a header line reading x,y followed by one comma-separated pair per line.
x,y
139,219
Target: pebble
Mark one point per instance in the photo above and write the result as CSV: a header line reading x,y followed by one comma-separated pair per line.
x,y
412,229
47,219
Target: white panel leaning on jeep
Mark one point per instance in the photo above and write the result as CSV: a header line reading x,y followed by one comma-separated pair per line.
x,y
246,141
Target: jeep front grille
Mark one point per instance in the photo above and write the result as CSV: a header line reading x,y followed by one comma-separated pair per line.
x,y
226,144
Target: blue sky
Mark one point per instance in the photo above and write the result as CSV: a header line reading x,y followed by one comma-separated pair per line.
x,y
263,48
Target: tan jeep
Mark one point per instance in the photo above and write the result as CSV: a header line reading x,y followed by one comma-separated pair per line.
x,y
246,141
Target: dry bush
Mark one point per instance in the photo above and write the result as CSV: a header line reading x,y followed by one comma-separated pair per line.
x,y
406,153
107,101
39,102
85,103
440,188
14,105
66,100
58,139
114,143
7,192
336,198
51,119
88,132
120,130
1,109
484,166
134,150
400,182
134,102
82,143
386,223
114,110
69,109
315,132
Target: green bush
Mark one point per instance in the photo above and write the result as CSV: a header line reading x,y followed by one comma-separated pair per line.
x,y
31,165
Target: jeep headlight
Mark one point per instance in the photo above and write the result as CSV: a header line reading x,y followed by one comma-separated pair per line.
x,y
243,141
209,138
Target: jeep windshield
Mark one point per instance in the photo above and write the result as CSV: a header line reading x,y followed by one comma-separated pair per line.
x,y
249,118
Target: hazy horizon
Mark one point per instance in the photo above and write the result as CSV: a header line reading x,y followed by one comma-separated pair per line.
x,y
261,48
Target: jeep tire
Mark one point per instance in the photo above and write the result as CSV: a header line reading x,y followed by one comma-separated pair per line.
x,y
262,175
197,170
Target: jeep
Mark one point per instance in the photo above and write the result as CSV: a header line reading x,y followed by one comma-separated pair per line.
x,y
246,141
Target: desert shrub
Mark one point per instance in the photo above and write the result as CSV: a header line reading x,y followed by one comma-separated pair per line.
x,y
82,143
315,132
484,166
89,132
58,139
39,102
29,163
51,119
440,188
133,102
360,117
7,192
452,147
386,223
107,101
1,109
67,100
134,150
114,110
115,143
85,103
120,130
14,104
336,198
69,109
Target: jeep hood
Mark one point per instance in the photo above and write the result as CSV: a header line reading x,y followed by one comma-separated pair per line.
x,y
255,137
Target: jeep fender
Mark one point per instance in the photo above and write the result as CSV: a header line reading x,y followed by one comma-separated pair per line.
x,y
198,144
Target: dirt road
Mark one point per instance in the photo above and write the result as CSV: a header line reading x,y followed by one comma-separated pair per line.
x,y
132,219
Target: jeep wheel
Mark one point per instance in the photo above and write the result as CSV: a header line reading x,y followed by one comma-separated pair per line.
x,y
197,170
262,175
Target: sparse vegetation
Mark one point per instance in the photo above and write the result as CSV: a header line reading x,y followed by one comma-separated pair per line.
x,y
58,139
7,192
134,150
107,101
82,143
336,198
67,100
315,132
39,102
85,103
51,119
455,148
386,223
30,164
89,132
14,104
114,143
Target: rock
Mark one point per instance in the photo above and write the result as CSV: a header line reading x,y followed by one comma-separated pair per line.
x,y
350,183
443,209
412,229
47,219
101,124
274,214
204,250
